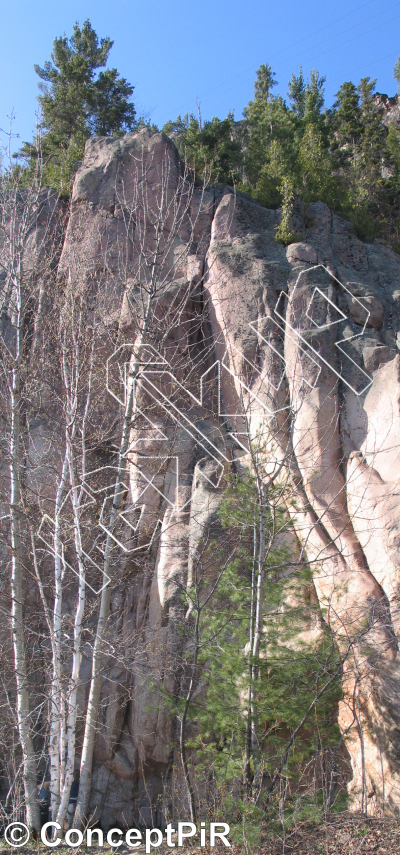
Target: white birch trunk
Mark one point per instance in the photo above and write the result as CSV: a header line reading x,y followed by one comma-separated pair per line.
x,y
57,701
17,586
76,657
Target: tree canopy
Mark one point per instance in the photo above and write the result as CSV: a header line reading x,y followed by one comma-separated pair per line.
x,y
280,151
283,151
77,101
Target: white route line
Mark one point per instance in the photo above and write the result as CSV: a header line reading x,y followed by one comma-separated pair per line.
x,y
50,547
338,344
155,365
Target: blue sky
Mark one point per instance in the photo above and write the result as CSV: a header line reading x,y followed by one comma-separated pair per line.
x,y
177,52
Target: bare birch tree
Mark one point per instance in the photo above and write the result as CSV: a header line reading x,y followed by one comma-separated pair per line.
x,y
76,347
26,244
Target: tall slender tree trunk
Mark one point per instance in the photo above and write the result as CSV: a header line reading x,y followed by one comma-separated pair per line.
x,y
17,589
248,771
57,701
258,616
76,656
182,735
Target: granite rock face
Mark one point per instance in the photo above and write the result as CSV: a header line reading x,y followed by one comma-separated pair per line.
x,y
319,319
389,108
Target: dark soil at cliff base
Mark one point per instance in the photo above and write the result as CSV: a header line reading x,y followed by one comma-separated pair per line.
x,y
347,836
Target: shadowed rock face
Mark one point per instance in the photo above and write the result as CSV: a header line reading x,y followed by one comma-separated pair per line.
x,y
306,337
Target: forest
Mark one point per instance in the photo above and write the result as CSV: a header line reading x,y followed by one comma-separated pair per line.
x,y
347,156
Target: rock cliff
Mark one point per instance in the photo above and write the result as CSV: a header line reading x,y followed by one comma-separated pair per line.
x,y
307,338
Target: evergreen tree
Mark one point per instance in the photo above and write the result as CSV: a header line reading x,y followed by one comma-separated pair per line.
x,y
270,126
373,131
307,99
317,181
264,83
344,156
314,98
346,124
112,111
393,150
213,149
284,672
297,94
76,104
396,72
268,189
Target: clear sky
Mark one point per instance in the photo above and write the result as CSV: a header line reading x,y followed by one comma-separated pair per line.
x,y
179,51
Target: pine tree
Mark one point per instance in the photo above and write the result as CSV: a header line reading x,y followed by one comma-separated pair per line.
x,y
271,689
211,149
76,104
268,121
112,112
264,83
373,131
396,72
317,181
297,94
314,98
346,123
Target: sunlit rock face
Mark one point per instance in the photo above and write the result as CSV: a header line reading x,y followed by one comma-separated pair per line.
x,y
306,341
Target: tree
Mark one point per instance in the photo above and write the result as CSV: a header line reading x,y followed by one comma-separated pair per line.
x,y
264,83
269,124
296,93
283,232
28,219
396,72
212,149
75,104
361,157
374,133
268,189
253,681
57,487
316,180
112,113
314,98
76,345
346,121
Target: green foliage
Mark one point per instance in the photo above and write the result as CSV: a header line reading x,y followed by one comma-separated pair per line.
x,y
290,668
264,83
112,112
346,122
76,104
269,123
344,156
297,94
360,151
268,189
212,150
393,148
314,98
283,234
317,181
396,72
